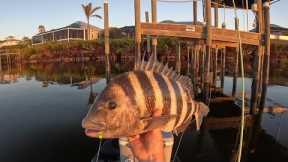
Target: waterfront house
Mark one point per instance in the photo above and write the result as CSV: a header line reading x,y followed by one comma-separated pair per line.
x,y
9,41
74,31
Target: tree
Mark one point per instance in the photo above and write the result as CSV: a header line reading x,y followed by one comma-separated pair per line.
x,y
26,41
89,12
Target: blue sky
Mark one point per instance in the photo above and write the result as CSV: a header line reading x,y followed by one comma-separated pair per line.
x,y
22,17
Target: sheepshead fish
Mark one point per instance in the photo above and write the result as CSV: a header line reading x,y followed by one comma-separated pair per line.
x,y
126,105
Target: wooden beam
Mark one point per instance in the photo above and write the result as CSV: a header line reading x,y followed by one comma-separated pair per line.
x,y
198,32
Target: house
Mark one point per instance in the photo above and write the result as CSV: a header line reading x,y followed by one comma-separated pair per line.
x,y
9,41
278,34
75,31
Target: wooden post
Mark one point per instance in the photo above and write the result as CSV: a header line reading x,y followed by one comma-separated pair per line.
x,y
195,12
107,41
236,66
137,4
178,59
148,37
223,56
68,34
154,21
266,66
216,15
257,62
84,34
202,62
208,50
195,68
0,62
215,70
7,60
189,61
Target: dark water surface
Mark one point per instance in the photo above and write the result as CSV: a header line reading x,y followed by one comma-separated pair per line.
x,y
41,109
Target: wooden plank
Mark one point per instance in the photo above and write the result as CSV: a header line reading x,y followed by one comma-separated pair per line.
x,y
198,32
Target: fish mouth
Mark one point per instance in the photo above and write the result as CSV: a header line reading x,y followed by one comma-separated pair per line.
x,y
93,129
93,132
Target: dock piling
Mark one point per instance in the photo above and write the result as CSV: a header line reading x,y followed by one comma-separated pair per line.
x,y
107,41
223,56
154,21
266,67
178,58
257,63
137,4
195,12
148,41
236,66
208,50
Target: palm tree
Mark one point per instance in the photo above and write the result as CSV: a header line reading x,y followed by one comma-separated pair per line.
x,y
89,12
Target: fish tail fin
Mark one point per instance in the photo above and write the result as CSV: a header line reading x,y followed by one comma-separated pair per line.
x,y
202,111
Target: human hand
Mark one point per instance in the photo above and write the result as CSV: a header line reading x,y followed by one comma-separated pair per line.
x,y
148,147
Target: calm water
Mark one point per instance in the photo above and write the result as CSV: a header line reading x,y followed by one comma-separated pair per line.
x,y
41,109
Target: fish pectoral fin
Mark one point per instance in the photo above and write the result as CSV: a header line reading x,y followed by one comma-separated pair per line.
x,y
156,122
199,120
182,128
202,110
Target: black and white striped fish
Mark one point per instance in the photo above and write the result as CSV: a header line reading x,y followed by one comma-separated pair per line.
x,y
126,105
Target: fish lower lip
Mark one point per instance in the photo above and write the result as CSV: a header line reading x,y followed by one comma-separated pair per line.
x,y
93,132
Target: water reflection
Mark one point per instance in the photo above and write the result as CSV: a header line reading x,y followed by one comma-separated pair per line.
x,y
42,105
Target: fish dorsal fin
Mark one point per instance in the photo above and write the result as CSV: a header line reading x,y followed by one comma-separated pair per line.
x,y
153,65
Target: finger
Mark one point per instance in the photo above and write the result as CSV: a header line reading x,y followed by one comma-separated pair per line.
x,y
138,148
155,145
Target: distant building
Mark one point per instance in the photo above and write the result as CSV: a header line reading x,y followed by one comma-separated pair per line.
x,y
278,33
276,30
41,29
9,41
75,31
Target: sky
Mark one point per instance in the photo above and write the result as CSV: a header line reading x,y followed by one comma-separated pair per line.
x,y
22,17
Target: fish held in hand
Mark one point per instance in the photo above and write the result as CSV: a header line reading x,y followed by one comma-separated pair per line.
x,y
126,106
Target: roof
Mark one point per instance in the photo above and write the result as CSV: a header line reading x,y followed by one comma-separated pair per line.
x,y
274,28
82,25
238,3
77,24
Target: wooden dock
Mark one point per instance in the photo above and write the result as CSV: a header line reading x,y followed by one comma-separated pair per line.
x,y
7,57
207,45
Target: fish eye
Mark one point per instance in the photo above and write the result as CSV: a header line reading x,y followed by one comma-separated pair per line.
x,y
112,104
